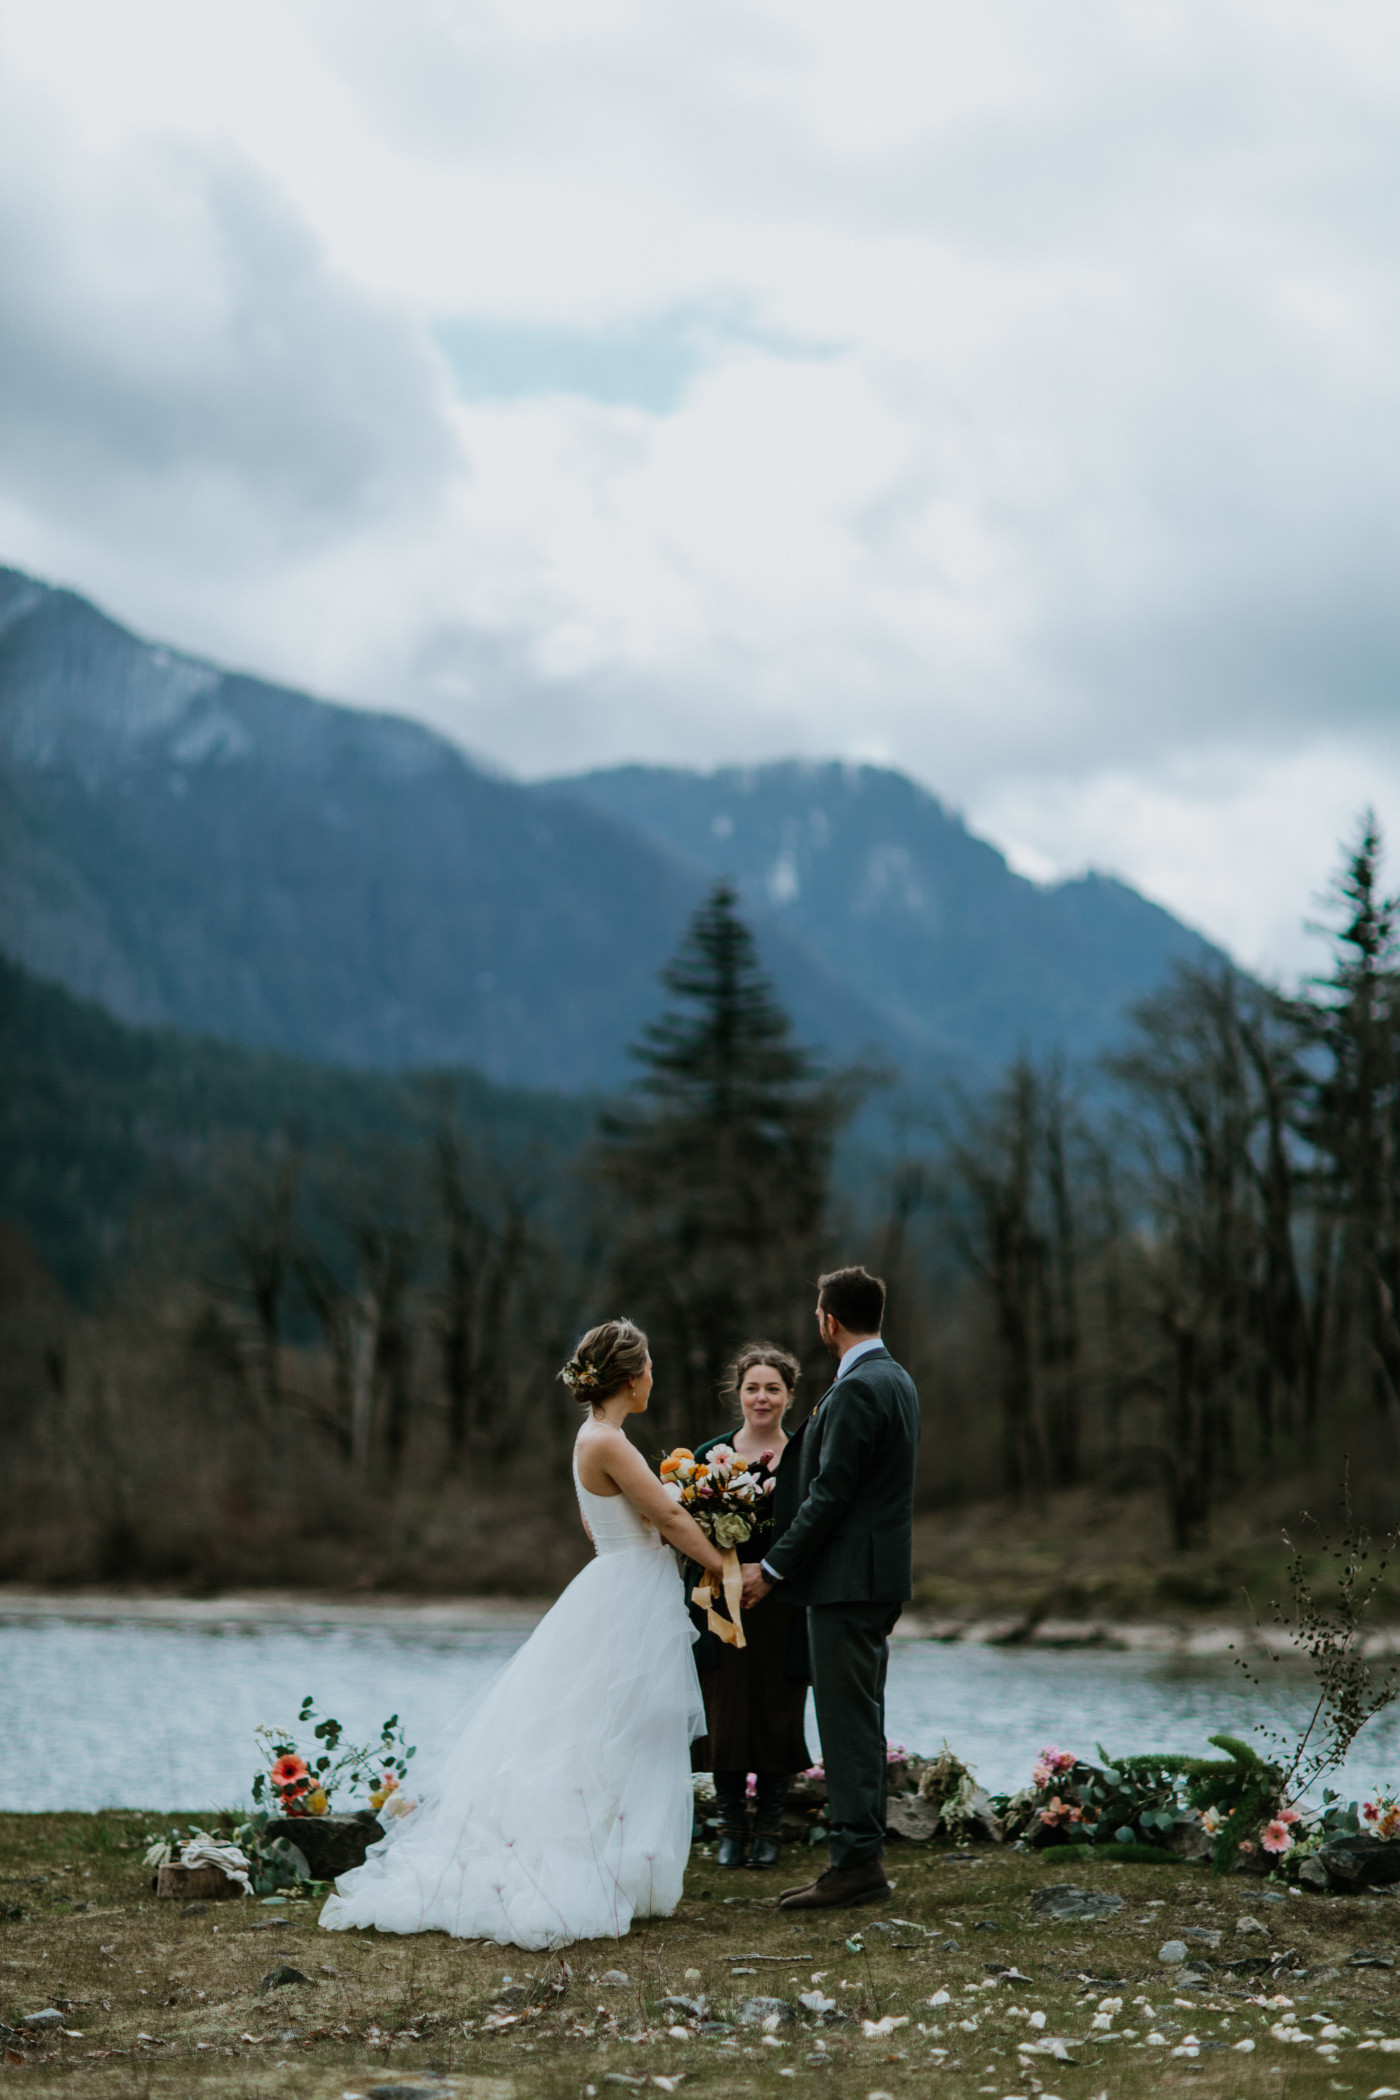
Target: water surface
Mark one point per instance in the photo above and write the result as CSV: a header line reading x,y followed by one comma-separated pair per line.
x,y
161,1715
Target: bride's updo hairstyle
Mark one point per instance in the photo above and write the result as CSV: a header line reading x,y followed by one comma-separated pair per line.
x,y
771,1357
606,1358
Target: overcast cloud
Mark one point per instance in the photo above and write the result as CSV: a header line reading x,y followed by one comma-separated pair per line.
x,y
1005,392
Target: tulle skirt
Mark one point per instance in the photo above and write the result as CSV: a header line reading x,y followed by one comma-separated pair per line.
x,y
564,1809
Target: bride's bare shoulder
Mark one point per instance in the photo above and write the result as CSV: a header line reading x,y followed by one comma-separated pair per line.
x,y
601,1447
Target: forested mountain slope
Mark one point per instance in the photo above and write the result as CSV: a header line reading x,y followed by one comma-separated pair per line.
x,y
924,921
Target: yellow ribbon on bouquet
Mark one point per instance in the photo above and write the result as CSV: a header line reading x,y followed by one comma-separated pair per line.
x,y
729,1630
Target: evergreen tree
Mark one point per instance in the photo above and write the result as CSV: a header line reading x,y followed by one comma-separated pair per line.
x,y
720,1169
1356,1125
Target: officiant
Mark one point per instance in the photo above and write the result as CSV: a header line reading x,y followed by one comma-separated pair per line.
x,y
756,1696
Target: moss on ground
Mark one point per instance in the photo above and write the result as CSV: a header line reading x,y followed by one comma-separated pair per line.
x,y
161,2003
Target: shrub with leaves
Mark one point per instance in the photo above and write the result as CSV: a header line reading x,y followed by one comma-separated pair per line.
x,y
1330,1631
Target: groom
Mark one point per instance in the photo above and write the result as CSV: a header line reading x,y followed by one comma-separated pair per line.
x,y
847,1555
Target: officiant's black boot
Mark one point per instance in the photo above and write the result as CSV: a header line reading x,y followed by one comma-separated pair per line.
x,y
768,1820
731,1793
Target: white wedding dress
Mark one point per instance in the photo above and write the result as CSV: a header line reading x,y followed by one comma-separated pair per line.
x,y
563,1810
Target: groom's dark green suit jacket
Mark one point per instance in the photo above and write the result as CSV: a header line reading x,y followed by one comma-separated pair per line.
x,y
851,1539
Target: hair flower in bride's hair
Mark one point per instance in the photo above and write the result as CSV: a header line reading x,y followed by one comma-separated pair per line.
x,y
575,1374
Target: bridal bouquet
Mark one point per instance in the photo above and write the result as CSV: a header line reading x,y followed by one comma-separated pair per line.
x,y
726,1497
723,1493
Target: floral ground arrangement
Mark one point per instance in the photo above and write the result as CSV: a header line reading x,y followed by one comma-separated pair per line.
x,y
993,1971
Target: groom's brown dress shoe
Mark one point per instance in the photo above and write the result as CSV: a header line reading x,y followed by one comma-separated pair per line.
x,y
839,1887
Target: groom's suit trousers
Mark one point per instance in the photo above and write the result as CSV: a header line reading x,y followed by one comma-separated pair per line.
x,y
850,1653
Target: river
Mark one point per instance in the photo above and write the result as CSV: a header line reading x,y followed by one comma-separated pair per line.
x,y
157,1710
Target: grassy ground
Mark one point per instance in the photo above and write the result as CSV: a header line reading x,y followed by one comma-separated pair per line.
x,y
157,2002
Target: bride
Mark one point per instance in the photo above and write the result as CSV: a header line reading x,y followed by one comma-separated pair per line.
x,y
564,1808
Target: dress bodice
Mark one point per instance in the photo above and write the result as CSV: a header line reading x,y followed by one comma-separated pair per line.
x,y
615,1525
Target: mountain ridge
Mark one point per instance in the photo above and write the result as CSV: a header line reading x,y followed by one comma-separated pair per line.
x,y
972,959
206,850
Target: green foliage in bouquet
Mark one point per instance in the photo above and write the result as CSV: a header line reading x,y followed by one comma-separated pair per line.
x,y
1140,1800
1242,1788
1125,1801
293,1784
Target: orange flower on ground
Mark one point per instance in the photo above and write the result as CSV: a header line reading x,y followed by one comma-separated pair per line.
x,y
289,1769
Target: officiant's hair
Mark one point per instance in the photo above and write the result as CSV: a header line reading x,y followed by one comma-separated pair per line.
x,y
749,1358
855,1298
605,1359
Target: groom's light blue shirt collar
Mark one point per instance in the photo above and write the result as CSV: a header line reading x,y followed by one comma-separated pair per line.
x,y
853,1356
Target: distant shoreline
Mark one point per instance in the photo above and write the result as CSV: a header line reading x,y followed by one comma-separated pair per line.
x,y
1181,1637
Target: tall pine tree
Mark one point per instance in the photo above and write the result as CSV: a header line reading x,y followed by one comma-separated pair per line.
x,y
1357,1125
719,1169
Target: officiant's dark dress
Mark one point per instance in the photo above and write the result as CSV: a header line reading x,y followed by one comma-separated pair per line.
x,y
755,1696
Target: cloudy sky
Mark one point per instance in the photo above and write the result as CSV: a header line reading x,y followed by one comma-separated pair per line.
x,y
1004,391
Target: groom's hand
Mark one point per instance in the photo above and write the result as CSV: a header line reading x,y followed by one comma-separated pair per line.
x,y
756,1584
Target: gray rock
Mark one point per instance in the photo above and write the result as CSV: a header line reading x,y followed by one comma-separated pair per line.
x,y
1189,1840
38,2022
419,2089
329,1845
1202,1935
715,2030
1367,1958
906,1816
693,2008
1171,1952
1062,1900
277,1979
1360,1862
754,2011
1249,1928
616,1979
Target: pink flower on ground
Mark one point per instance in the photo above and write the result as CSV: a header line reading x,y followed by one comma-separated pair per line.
x,y
1288,1815
1050,1763
1246,1845
1275,1837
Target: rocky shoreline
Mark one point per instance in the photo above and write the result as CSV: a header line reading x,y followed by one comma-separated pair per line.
x,y
1180,1637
